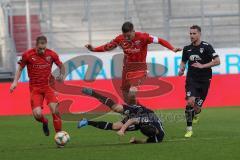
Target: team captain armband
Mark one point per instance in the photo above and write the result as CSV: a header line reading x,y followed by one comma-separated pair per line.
x,y
215,55
157,40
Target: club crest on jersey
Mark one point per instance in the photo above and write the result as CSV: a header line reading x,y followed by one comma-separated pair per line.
x,y
195,58
138,42
201,50
34,59
48,58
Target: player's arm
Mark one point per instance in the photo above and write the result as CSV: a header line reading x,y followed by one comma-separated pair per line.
x,y
164,43
182,68
130,122
183,62
61,75
215,59
134,140
61,67
16,78
103,48
104,100
214,62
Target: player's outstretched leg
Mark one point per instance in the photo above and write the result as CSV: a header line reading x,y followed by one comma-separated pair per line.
x,y
105,100
97,124
37,113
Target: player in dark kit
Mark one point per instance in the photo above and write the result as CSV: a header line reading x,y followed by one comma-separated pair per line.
x,y
201,57
137,117
39,61
134,45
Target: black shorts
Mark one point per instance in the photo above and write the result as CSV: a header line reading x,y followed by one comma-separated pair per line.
x,y
198,89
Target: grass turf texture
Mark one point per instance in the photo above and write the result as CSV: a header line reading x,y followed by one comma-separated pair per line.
x,y
217,136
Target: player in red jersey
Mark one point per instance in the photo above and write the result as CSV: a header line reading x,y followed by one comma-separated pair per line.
x,y
39,63
134,45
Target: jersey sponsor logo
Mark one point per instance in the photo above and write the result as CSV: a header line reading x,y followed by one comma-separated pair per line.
x,y
195,58
41,66
201,50
48,58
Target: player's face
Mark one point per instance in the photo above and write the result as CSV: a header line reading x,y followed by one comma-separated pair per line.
x,y
194,35
41,47
129,35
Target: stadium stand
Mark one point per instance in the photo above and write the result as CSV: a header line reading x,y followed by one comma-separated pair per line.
x,y
66,23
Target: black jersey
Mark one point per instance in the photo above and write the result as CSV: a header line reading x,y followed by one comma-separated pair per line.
x,y
204,53
142,113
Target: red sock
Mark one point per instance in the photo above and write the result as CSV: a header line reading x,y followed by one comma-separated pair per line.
x,y
57,122
42,119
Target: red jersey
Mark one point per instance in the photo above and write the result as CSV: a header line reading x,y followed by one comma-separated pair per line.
x,y
39,66
134,50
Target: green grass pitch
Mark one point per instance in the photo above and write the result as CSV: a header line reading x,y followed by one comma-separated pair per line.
x,y
217,136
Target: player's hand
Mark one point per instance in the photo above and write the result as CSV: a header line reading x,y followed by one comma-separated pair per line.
x,y
177,49
132,140
120,133
60,78
89,47
13,86
198,65
181,72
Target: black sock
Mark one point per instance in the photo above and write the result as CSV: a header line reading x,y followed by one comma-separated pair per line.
x,y
189,113
101,125
105,100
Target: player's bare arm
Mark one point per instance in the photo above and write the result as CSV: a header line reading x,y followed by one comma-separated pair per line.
x,y
177,49
182,68
166,44
89,47
134,140
16,78
130,122
61,75
106,47
214,62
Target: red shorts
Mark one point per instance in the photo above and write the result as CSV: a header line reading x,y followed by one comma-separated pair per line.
x,y
133,76
38,94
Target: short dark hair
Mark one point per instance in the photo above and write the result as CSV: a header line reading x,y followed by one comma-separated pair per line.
x,y
148,130
42,39
197,27
127,27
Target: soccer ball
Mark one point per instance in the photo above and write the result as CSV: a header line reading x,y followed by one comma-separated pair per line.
x,y
61,138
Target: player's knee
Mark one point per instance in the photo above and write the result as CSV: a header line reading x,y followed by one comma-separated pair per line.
x,y
117,108
37,114
54,108
197,109
190,102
